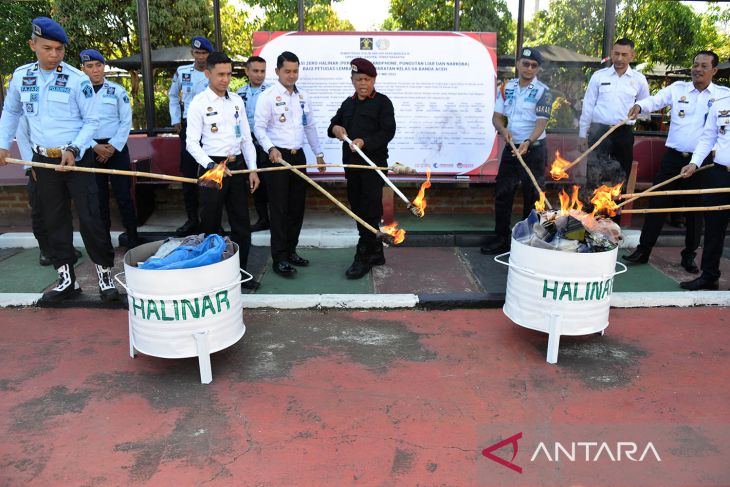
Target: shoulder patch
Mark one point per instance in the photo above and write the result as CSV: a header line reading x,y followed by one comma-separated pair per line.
x,y
87,90
125,98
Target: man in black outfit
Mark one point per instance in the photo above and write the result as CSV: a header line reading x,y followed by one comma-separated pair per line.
x,y
366,118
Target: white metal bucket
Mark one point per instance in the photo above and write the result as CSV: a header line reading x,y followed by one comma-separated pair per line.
x,y
572,288
183,312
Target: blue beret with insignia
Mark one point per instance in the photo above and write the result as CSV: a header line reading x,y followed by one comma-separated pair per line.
x,y
91,55
531,53
49,29
200,42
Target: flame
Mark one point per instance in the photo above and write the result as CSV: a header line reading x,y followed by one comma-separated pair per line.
x,y
570,203
420,200
540,205
557,170
574,201
603,199
214,177
398,234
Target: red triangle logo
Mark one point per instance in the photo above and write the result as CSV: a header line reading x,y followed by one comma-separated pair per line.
x,y
487,452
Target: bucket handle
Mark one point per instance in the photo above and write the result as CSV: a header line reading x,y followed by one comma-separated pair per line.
x,y
209,291
510,264
533,273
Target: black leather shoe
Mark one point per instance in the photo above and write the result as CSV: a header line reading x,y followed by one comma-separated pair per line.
x,y
699,284
688,262
44,260
262,224
298,260
188,228
284,269
637,257
357,270
252,285
497,245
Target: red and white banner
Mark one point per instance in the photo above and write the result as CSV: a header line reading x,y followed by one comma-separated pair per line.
x,y
442,85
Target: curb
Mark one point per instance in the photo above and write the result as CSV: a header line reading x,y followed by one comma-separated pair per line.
x,y
446,301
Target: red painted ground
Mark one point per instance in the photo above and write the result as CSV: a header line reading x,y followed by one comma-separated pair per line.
x,y
342,398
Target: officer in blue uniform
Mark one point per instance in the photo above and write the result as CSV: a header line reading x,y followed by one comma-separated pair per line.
x,y
188,81
256,73
527,104
58,101
110,143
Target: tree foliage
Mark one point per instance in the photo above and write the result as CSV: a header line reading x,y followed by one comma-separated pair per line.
x,y
15,18
282,15
475,16
664,32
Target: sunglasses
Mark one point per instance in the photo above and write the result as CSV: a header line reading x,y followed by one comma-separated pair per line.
x,y
528,64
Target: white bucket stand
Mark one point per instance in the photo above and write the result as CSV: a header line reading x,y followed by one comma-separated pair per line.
x,y
200,337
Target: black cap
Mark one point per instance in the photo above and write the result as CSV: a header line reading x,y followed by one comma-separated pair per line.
x,y
531,53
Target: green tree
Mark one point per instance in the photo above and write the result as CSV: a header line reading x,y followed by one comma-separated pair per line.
x,y
664,32
281,15
573,24
475,16
15,19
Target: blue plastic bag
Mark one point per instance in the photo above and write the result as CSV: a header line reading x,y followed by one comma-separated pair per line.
x,y
207,252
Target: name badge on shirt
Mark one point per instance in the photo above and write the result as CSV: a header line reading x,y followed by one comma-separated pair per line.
x,y
238,131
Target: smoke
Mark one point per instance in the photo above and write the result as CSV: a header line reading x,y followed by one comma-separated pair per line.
x,y
601,169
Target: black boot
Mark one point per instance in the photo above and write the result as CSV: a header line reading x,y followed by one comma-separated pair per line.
x,y
66,288
688,262
131,239
498,245
639,256
360,265
107,290
44,260
189,227
376,257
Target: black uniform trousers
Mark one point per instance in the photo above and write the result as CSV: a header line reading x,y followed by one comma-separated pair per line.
x,y
672,163
55,190
365,194
287,193
260,196
121,187
234,196
189,169
619,145
509,176
715,221
36,218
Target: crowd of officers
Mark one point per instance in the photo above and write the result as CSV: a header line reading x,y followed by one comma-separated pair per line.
x,y
67,117
700,114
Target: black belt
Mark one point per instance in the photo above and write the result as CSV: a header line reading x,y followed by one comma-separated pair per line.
x,y
683,154
288,151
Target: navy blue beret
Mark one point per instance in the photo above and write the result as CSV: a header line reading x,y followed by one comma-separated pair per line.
x,y
531,53
91,55
200,42
363,66
49,29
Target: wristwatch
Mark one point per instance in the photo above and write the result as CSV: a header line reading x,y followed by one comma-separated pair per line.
x,y
72,149
320,155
